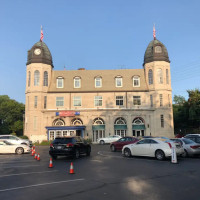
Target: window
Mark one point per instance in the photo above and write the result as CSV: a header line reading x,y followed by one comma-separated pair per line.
x,y
77,82
136,100
45,102
169,100
151,100
150,75
77,101
36,78
161,100
160,76
162,121
136,81
98,101
118,81
60,81
98,82
59,101
45,83
35,101
119,101
158,49
29,79
167,76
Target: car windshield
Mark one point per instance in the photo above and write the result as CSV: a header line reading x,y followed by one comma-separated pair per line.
x,y
188,141
63,141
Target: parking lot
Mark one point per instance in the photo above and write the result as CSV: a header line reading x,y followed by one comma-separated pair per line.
x,y
103,175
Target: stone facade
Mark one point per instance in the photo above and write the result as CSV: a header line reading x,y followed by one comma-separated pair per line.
x,y
90,104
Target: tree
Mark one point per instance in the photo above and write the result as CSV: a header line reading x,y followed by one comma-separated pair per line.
x,y
178,99
11,115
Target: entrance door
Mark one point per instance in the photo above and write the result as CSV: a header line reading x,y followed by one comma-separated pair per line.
x,y
98,134
138,133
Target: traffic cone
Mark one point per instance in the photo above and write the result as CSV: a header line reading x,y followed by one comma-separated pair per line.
x,y
38,157
35,156
50,163
174,156
34,147
71,171
32,152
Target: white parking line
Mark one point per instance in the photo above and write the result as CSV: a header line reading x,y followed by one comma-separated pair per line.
x,y
20,166
42,184
27,173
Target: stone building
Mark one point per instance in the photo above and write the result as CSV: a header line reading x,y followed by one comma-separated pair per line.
x,y
98,103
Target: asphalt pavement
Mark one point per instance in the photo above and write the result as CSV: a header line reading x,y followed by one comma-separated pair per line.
x,y
103,175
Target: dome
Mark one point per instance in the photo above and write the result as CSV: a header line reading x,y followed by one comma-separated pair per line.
x,y
156,51
39,53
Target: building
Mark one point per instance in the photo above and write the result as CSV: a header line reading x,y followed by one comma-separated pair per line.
x,y
98,103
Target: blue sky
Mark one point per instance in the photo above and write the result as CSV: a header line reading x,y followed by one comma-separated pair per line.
x,y
99,34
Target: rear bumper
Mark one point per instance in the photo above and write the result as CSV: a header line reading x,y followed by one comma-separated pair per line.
x,y
63,152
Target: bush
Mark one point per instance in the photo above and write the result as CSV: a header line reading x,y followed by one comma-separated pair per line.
x,y
14,134
43,143
24,137
89,140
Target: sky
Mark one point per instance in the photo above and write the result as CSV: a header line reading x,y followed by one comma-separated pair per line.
x,y
99,34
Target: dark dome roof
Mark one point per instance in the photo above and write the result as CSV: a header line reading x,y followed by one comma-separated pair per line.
x,y
44,57
158,54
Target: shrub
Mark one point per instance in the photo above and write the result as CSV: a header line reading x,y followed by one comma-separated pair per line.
x,y
24,137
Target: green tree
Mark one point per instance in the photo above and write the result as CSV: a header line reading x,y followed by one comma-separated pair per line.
x,y
11,115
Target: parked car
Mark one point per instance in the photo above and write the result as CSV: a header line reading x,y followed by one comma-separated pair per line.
x,y
159,148
118,145
109,139
191,148
7,147
69,146
15,140
194,137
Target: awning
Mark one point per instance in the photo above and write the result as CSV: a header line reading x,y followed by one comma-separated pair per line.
x,y
138,127
120,127
98,127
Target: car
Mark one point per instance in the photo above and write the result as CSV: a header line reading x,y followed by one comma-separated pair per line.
x,y
69,146
191,148
159,148
7,147
118,145
194,137
109,139
15,140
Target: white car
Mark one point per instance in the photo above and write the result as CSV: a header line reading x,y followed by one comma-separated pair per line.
x,y
109,139
7,147
15,140
152,147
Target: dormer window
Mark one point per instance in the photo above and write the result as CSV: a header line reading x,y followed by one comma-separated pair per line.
x,y
77,82
118,81
136,81
158,49
98,82
60,82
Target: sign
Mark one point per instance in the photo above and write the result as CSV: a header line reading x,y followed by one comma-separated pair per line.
x,y
174,156
67,113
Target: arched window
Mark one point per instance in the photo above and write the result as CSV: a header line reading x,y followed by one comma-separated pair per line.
x,y
36,78
29,79
45,83
150,75
98,121
136,81
120,120
77,122
58,122
138,121
160,76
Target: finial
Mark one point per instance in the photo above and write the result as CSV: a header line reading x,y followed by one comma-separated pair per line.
x,y
41,34
154,32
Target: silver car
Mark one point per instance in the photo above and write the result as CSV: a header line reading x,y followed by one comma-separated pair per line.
x,y
191,148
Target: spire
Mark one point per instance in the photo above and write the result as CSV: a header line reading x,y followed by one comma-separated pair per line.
x,y
41,34
154,32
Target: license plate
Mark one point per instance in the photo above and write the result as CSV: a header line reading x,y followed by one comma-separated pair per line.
x,y
59,147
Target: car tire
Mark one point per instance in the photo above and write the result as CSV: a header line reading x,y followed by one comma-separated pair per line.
x,y
160,155
127,152
88,151
77,154
113,149
102,142
185,154
19,151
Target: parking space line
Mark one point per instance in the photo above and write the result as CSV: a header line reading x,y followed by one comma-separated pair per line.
x,y
27,173
20,166
41,184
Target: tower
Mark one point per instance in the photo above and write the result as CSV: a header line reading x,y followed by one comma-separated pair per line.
x,y
38,76
157,73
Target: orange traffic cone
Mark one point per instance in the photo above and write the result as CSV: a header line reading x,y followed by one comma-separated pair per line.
x,y
38,157
50,163
33,146
35,156
71,171
32,152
